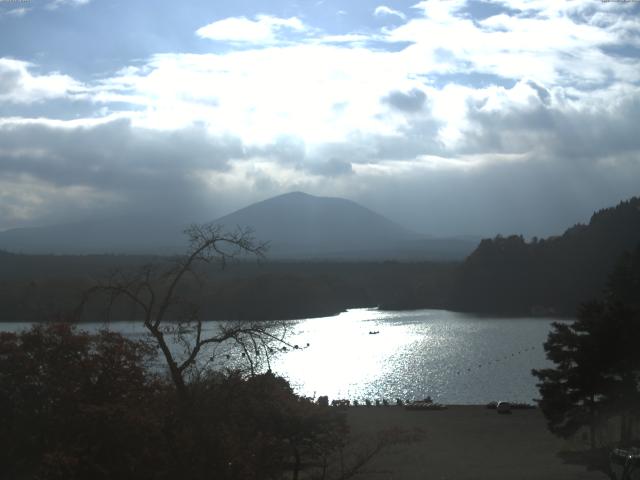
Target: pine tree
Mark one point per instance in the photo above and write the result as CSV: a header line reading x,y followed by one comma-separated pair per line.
x,y
597,360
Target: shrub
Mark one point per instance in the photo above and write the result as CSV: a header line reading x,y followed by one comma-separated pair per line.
x,y
78,406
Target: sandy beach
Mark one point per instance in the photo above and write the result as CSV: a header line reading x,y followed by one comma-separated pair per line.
x,y
467,442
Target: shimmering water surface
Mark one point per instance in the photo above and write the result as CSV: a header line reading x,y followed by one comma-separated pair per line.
x,y
455,358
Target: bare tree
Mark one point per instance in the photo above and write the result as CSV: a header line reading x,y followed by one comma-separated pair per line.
x,y
154,290
320,443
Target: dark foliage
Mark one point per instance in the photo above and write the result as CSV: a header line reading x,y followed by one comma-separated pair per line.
x,y
77,406
80,406
37,287
624,283
264,428
597,360
548,276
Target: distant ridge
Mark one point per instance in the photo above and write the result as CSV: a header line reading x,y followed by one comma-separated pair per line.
x,y
297,226
115,235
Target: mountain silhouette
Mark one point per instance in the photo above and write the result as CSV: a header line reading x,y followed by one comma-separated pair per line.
x,y
126,234
296,226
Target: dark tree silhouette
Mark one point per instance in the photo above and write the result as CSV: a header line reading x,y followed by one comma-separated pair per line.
x,y
85,406
79,406
547,276
597,360
155,290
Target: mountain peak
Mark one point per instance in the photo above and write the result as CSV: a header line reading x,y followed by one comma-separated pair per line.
x,y
303,196
296,194
299,224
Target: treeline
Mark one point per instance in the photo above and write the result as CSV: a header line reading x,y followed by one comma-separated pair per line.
x,y
242,291
504,275
547,276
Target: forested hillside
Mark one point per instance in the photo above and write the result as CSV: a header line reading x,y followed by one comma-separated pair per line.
x,y
41,287
547,276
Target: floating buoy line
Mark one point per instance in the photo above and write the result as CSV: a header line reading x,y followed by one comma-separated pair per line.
x,y
496,360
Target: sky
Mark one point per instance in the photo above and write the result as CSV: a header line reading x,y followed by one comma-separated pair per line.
x,y
450,117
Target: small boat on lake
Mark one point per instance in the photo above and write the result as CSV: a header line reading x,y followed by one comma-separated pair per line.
x,y
374,332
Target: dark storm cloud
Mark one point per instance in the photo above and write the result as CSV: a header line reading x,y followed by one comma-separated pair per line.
x,y
141,170
565,134
534,166
109,154
535,197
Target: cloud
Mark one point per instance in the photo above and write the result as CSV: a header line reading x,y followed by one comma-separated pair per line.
x,y
104,152
9,78
543,93
24,198
29,6
112,163
446,120
556,126
19,85
327,89
54,4
551,44
383,10
531,197
350,38
16,12
319,93
332,168
412,101
264,29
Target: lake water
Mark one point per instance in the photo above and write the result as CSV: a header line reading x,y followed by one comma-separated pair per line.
x,y
453,357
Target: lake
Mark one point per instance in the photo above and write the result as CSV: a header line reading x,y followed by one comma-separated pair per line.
x,y
455,358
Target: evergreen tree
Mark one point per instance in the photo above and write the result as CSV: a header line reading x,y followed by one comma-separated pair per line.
x,y
597,360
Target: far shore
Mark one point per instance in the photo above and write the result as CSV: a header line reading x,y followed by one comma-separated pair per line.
x,y
316,315
468,442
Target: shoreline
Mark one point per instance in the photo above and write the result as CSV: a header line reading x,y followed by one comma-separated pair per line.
x,y
481,315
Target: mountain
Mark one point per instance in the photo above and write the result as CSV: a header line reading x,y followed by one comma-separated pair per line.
x,y
128,234
509,275
300,224
296,225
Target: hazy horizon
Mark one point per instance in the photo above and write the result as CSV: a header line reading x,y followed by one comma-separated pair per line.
x,y
449,118
154,218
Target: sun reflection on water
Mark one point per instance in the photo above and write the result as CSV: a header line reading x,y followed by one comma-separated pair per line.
x,y
453,357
